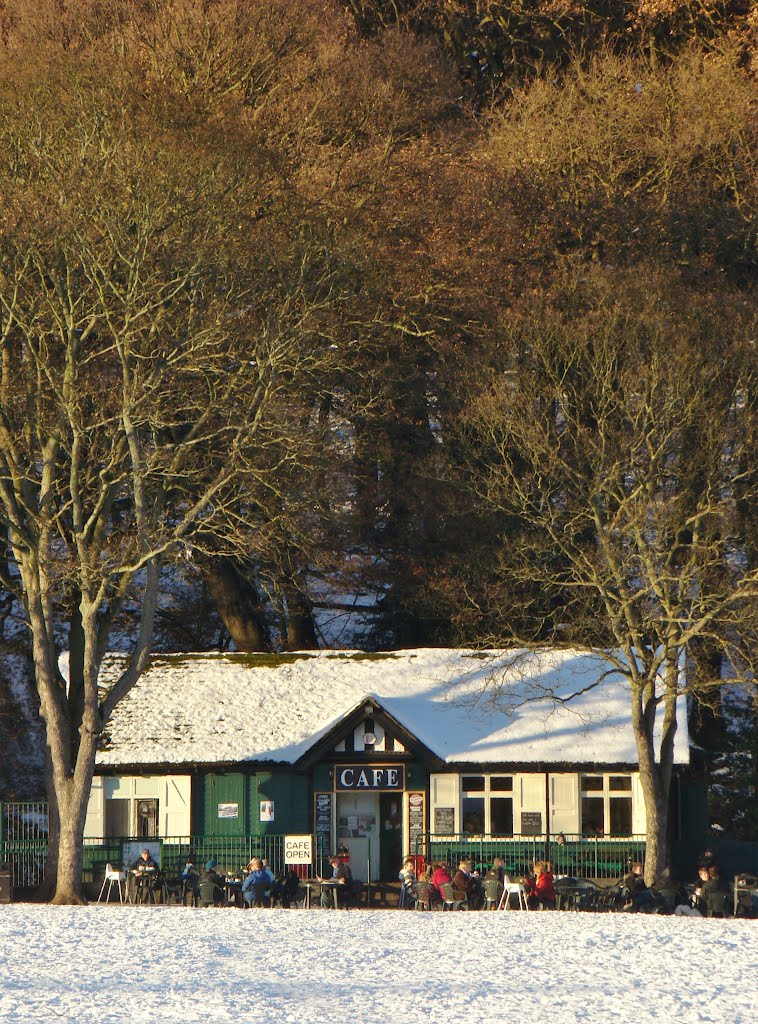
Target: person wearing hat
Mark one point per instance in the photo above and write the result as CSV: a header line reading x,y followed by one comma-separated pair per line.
x,y
211,886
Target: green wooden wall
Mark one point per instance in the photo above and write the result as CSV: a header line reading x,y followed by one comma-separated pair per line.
x,y
289,792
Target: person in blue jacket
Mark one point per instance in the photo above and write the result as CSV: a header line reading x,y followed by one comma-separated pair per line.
x,y
256,885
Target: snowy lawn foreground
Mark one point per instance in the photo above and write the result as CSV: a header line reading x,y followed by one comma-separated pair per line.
x,y
158,965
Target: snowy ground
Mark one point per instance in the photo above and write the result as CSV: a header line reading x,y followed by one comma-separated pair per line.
x,y
159,965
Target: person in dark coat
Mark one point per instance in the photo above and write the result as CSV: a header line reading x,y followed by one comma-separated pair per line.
x,y
211,886
497,871
639,896
146,874
342,877
465,885
714,892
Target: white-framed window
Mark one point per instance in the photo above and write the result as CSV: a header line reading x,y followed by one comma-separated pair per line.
x,y
487,804
606,804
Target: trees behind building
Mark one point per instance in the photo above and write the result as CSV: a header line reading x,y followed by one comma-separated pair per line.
x,y
309,306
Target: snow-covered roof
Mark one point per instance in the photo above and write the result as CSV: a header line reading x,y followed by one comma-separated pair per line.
x,y
465,706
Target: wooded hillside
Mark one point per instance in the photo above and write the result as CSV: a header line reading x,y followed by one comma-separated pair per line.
x,y
398,249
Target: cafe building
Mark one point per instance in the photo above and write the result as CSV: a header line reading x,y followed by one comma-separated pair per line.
x,y
376,755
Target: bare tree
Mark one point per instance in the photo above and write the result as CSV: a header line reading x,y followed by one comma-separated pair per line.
x,y
155,335
618,444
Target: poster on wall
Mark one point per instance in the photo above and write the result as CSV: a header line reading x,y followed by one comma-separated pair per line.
x,y
228,810
132,850
267,810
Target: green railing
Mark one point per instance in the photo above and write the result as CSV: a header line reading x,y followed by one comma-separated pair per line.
x,y
23,842
23,846
231,853
599,857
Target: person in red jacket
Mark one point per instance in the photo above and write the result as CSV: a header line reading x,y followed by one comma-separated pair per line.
x,y
440,876
541,887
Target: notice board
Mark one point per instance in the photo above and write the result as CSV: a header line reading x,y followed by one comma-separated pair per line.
x,y
531,823
444,821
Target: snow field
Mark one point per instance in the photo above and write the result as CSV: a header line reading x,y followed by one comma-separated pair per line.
x,y
134,965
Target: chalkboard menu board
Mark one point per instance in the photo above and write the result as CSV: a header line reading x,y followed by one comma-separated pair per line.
x,y
531,823
323,819
444,821
415,822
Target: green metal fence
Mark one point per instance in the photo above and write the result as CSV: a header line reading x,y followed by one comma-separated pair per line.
x,y
23,846
576,855
23,842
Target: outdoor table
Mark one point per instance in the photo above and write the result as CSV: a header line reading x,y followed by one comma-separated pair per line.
x,y
320,886
516,888
232,892
144,885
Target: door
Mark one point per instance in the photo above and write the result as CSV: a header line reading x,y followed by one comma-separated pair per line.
x,y
358,832
390,835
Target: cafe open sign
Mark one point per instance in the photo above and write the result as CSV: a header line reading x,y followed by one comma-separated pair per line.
x,y
298,850
363,777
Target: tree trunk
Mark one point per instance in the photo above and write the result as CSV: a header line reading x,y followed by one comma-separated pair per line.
x,y
655,776
239,604
656,827
301,626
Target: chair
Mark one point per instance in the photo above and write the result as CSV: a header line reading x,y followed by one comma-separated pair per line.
x,y
111,876
405,896
172,891
423,894
493,892
716,903
449,900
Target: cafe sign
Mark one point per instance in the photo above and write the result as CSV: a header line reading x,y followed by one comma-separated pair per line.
x,y
364,778
298,850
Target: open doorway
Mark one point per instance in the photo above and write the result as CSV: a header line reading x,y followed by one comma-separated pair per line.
x,y
390,835
358,833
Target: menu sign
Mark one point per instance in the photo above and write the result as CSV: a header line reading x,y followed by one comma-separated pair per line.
x,y
444,821
531,823
415,822
323,820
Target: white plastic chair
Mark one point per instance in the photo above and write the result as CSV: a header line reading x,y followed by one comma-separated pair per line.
x,y
512,888
111,876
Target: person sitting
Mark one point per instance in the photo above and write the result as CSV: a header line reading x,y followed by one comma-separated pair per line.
x,y
695,906
256,885
422,891
342,878
639,897
466,885
407,877
497,871
286,888
440,876
267,870
211,886
190,879
714,892
146,872
541,885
